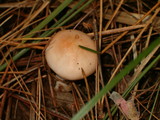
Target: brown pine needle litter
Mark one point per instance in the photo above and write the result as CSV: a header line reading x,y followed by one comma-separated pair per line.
x,y
121,29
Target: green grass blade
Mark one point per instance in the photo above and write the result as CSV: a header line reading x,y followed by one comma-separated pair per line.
x,y
88,49
50,17
17,56
115,80
154,104
68,18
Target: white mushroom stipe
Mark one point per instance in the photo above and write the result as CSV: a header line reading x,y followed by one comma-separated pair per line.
x,y
66,58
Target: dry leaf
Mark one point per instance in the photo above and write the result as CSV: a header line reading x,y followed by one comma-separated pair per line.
x,y
128,107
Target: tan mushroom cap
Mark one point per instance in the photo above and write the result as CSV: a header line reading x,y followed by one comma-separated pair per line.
x,y
66,58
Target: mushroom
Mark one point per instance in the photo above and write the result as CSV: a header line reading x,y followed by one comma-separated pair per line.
x,y
66,58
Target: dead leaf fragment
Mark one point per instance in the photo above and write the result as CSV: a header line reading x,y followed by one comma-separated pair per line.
x,y
128,107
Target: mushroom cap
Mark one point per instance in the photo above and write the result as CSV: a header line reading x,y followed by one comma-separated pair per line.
x,y
66,58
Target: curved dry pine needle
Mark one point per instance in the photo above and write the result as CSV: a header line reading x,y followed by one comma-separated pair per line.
x,y
52,92
4,13
4,96
87,88
14,72
4,57
26,3
21,45
28,39
118,30
15,90
80,98
114,14
77,91
81,19
4,76
149,36
86,82
142,92
32,45
39,94
6,20
146,108
7,12
151,96
100,24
